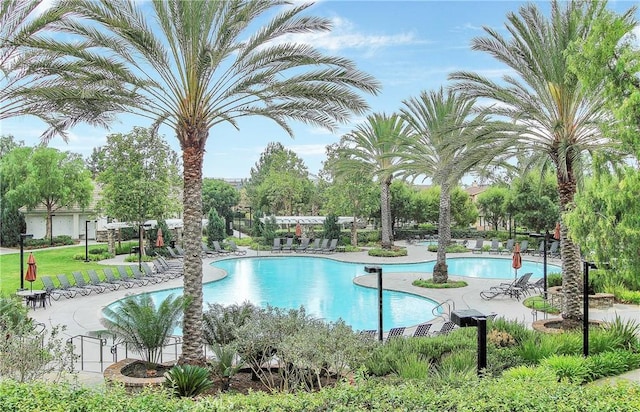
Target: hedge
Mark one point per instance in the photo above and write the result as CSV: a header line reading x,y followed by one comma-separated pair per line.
x,y
528,392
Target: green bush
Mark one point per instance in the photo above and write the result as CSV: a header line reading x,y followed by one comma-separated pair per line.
x,y
396,252
188,380
572,368
125,248
94,257
627,331
449,249
513,327
429,283
554,279
611,363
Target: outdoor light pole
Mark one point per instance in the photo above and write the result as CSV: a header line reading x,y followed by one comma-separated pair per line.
x,y
23,236
51,227
585,307
378,270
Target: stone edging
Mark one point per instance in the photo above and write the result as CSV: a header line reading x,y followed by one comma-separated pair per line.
x,y
113,374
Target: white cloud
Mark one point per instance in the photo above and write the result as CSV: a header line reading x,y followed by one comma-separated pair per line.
x,y
308,149
344,35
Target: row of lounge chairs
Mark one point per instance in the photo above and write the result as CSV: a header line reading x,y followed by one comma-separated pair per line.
x,y
318,246
518,288
553,250
422,330
218,250
93,283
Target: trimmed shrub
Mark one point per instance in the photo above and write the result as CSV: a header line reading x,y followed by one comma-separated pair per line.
x,y
188,380
378,252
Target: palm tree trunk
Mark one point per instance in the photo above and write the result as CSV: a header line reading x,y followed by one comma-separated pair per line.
x,y
571,262
192,345
440,270
354,232
385,213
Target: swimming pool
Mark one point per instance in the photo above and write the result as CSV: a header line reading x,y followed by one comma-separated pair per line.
x,y
325,287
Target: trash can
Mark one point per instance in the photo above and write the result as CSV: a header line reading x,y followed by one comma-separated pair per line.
x,y
172,243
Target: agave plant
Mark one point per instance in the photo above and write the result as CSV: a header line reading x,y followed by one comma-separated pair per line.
x,y
188,380
141,324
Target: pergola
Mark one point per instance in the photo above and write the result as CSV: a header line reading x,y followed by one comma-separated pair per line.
x,y
305,220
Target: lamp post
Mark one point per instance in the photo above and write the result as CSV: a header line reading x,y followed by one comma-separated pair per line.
x,y
51,227
544,237
23,236
585,307
378,270
86,239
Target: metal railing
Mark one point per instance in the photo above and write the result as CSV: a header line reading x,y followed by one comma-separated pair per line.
x,y
175,342
82,338
449,305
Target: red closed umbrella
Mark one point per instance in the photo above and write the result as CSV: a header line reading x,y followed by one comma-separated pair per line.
x,y
159,239
298,230
556,233
30,276
517,259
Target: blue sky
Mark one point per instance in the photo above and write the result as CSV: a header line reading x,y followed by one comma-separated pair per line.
x,y
409,46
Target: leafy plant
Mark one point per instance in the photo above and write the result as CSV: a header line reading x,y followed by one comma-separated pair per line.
x,y
395,252
500,339
611,363
572,368
225,365
188,380
137,321
628,331
429,283
413,366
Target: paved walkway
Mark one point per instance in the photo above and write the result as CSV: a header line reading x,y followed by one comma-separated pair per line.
x,y
81,315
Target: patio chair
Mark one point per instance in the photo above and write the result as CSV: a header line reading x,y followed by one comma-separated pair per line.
x,y
179,250
161,272
288,246
111,278
422,330
53,291
323,245
235,249
446,328
369,333
81,283
124,275
303,246
524,246
147,273
537,286
516,289
495,246
539,251
314,247
172,253
508,248
331,248
94,279
64,284
553,249
219,249
395,333
208,252
478,247
277,247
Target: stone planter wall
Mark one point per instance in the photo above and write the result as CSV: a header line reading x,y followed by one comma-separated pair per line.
x,y
597,301
114,374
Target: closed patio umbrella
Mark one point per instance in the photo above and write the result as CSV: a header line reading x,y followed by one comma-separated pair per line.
x,y
30,276
298,230
159,239
517,259
556,233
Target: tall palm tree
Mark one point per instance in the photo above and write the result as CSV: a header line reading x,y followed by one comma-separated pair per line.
x,y
448,140
195,64
559,118
62,94
371,150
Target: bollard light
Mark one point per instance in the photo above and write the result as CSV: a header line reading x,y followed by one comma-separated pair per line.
x,y
378,270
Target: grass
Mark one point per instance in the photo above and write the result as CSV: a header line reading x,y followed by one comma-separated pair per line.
x,y
429,283
539,304
49,262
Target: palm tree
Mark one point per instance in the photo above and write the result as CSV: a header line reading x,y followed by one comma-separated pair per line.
x,y
559,118
371,150
447,141
202,63
137,321
33,83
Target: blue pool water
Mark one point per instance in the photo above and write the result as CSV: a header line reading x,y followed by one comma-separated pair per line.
x,y
325,287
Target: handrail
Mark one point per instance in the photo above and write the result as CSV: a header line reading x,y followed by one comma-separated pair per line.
x,y
103,343
449,303
177,340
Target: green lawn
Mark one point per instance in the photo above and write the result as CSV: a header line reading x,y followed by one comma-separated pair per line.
x,y
49,262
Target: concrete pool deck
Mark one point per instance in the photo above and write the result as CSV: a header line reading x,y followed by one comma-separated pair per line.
x,y
81,315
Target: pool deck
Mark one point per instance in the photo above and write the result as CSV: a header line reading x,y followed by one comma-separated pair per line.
x,y
82,314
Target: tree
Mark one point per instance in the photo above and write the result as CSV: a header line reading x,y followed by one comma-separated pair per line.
x,y
12,220
279,182
44,84
401,201
371,150
493,205
558,117
426,205
215,227
220,195
533,201
448,140
46,177
201,64
140,176
331,229
463,211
